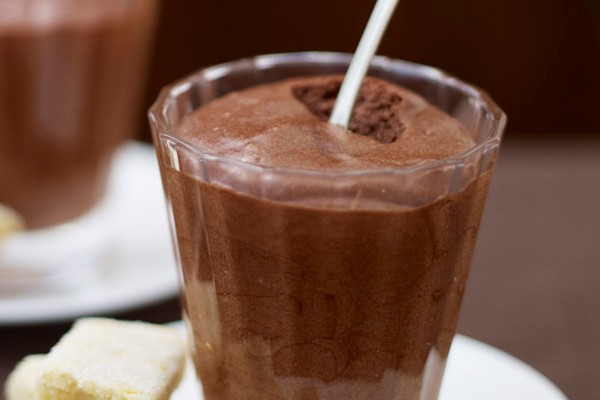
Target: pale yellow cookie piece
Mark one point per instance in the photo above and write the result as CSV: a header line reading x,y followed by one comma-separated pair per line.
x,y
10,221
104,359
22,381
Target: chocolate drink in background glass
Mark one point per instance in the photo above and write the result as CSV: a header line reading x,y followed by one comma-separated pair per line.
x,y
71,73
320,263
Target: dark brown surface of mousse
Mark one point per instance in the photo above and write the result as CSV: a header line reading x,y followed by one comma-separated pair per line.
x,y
69,88
270,125
289,301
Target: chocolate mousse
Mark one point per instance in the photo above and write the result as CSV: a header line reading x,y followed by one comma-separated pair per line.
x,y
70,78
285,125
296,289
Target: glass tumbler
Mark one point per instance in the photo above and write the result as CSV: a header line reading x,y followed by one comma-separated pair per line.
x,y
71,74
304,284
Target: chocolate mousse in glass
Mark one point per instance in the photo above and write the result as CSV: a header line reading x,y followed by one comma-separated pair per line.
x,y
318,262
71,73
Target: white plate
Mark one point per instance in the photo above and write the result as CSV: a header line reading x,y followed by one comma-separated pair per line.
x,y
475,371
141,269
478,371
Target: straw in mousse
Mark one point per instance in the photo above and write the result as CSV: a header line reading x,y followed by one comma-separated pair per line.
x,y
369,42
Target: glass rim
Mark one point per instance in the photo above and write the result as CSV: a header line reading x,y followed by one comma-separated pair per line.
x,y
157,113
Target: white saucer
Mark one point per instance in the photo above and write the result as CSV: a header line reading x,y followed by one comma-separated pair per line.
x,y
475,371
141,269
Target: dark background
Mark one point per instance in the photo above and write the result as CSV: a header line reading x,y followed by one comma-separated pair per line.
x,y
539,59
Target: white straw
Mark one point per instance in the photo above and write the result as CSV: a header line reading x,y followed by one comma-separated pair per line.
x,y
369,42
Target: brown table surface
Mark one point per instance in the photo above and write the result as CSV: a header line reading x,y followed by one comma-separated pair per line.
x,y
534,286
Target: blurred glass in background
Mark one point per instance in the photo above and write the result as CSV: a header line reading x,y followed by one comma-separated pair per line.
x,y
71,75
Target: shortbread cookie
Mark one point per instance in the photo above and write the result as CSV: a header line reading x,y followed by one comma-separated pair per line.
x,y
104,359
22,381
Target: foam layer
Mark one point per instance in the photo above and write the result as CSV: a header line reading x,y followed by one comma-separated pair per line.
x,y
284,125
